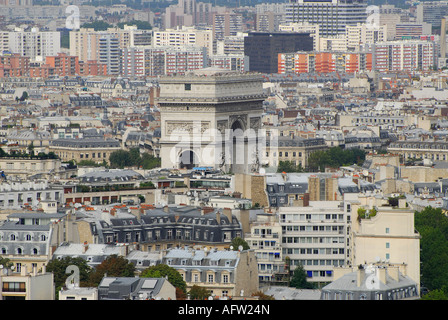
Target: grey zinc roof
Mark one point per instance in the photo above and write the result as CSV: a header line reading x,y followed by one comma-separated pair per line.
x,y
86,143
288,293
111,174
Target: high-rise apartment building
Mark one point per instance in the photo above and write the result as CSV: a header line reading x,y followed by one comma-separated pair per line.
x,y
185,36
316,237
324,62
362,34
263,48
190,13
331,15
233,62
412,30
226,24
109,53
268,21
159,61
231,44
431,12
407,55
313,29
63,64
13,65
35,44
84,42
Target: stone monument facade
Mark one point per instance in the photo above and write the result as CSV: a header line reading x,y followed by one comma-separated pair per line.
x,y
211,118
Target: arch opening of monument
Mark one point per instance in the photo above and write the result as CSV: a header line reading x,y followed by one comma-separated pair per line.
x,y
188,159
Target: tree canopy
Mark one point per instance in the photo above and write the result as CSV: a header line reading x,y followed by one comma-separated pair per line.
x,y
237,242
198,293
122,158
432,224
299,279
335,157
141,25
112,266
59,269
97,25
163,270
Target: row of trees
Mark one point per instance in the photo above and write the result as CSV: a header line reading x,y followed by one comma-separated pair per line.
x,y
133,158
101,25
334,158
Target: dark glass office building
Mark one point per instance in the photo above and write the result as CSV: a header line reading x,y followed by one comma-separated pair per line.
x,y
263,48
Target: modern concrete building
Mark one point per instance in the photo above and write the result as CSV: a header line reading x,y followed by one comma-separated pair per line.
x,y
331,15
185,36
406,55
266,60
316,237
34,43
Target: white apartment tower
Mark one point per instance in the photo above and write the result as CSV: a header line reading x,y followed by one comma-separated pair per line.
x,y
34,43
331,15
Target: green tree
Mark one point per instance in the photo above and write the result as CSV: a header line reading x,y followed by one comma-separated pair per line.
x,y
437,294
334,158
149,161
163,270
237,242
299,279
123,158
432,224
113,266
198,293
141,25
24,96
289,166
120,159
6,263
97,25
59,268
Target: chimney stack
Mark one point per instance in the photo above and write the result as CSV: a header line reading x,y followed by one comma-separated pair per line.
x,y
361,276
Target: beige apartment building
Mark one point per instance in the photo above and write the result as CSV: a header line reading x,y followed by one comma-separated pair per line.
x,y
225,273
84,43
185,36
388,237
23,167
95,149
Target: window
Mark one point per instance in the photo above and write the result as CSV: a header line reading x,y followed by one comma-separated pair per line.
x,y
225,278
210,278
188,87
13,287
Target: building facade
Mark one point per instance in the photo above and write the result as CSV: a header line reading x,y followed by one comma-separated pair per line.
x,y
331,15
230,104
266,60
